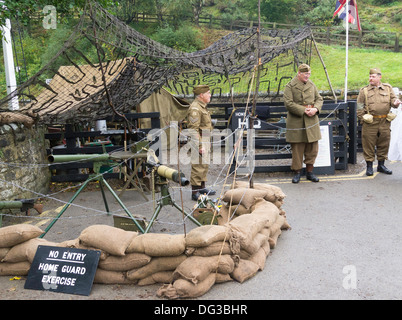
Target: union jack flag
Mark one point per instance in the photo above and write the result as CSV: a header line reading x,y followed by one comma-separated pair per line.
x,y
352,17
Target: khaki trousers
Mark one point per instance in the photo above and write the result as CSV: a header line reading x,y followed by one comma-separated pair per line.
x,y
199,171
376,134
308,151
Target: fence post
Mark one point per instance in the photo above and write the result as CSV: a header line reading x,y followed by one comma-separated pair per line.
x,y
397,42
360,39
328,35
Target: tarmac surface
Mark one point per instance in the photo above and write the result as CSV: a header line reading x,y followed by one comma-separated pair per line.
x,y
345,241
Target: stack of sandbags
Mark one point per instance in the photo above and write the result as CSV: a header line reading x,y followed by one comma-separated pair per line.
x,y
256,219
131,258
196,275
272,194
166,252
209,261
18,244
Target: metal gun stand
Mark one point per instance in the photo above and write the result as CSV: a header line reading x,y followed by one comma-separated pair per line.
x,y
165,199
96,176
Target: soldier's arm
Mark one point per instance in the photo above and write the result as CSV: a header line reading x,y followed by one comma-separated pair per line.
x,y
290,105
395,102
360,104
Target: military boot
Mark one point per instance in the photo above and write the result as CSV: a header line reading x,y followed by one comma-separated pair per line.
x,y
369,170
207,191
195,193
382,168
296,177
310,175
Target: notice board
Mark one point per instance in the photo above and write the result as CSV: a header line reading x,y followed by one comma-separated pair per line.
x,y
66,270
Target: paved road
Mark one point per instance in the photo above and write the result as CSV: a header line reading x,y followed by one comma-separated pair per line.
x,y
344,243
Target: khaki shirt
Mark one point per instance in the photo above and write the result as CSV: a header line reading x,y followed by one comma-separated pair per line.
x,y
199,120
375,100
299,126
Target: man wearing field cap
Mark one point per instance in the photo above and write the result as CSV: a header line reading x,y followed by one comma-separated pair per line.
x,y
303,103
374,104
200,125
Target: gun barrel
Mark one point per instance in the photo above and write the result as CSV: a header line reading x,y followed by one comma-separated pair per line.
x,y
172,174
78,157
11,204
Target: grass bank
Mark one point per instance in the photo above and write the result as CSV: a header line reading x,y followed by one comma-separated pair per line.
x,y
360,62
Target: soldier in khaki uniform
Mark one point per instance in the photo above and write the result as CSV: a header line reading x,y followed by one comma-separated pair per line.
x,y
200,125
373,110
303,103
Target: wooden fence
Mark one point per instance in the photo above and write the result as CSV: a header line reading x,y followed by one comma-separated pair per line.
x,y
272,154
334,35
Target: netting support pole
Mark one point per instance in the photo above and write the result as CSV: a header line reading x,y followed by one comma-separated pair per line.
x,y
325,68
257,83
109,99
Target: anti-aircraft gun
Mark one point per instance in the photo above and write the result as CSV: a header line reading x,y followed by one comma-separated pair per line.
x,y
160,181
98,161
160,175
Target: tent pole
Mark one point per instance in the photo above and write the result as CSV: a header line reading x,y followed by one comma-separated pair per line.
x,y
325,68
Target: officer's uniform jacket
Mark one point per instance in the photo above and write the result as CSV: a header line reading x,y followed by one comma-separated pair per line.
x,y
375,100
299,126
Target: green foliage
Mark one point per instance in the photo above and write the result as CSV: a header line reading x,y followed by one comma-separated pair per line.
x,y
185,37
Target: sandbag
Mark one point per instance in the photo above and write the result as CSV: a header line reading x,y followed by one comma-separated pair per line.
x,y
221,278
259,257
223,217
112,277
185,289
244,270
157,264
196,269
239,209
248,225
273,193
158,244
124,263
15,269
205,235
76,243
274,238
158,277
216,248
254,244
110,239
26,251
16,234
244,196
3,253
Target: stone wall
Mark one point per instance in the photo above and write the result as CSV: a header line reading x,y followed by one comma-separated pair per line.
x,y
22,150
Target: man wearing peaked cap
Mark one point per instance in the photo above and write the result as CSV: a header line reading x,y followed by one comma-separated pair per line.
x,y
374,104
303,103
200,127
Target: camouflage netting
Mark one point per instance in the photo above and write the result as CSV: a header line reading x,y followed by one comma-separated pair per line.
x,y
107,68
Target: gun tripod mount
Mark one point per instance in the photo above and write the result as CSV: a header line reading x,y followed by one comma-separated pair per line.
x,y
160,183
98,160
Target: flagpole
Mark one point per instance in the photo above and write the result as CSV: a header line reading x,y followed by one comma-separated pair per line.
x,y
347,50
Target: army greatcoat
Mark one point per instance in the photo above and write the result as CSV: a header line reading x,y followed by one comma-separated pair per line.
x,y
200,127
377,101
301,128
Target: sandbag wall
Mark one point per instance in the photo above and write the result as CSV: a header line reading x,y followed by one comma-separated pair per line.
x,y
249,224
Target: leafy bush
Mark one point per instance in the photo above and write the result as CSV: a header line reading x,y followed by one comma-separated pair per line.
x,y
184,38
